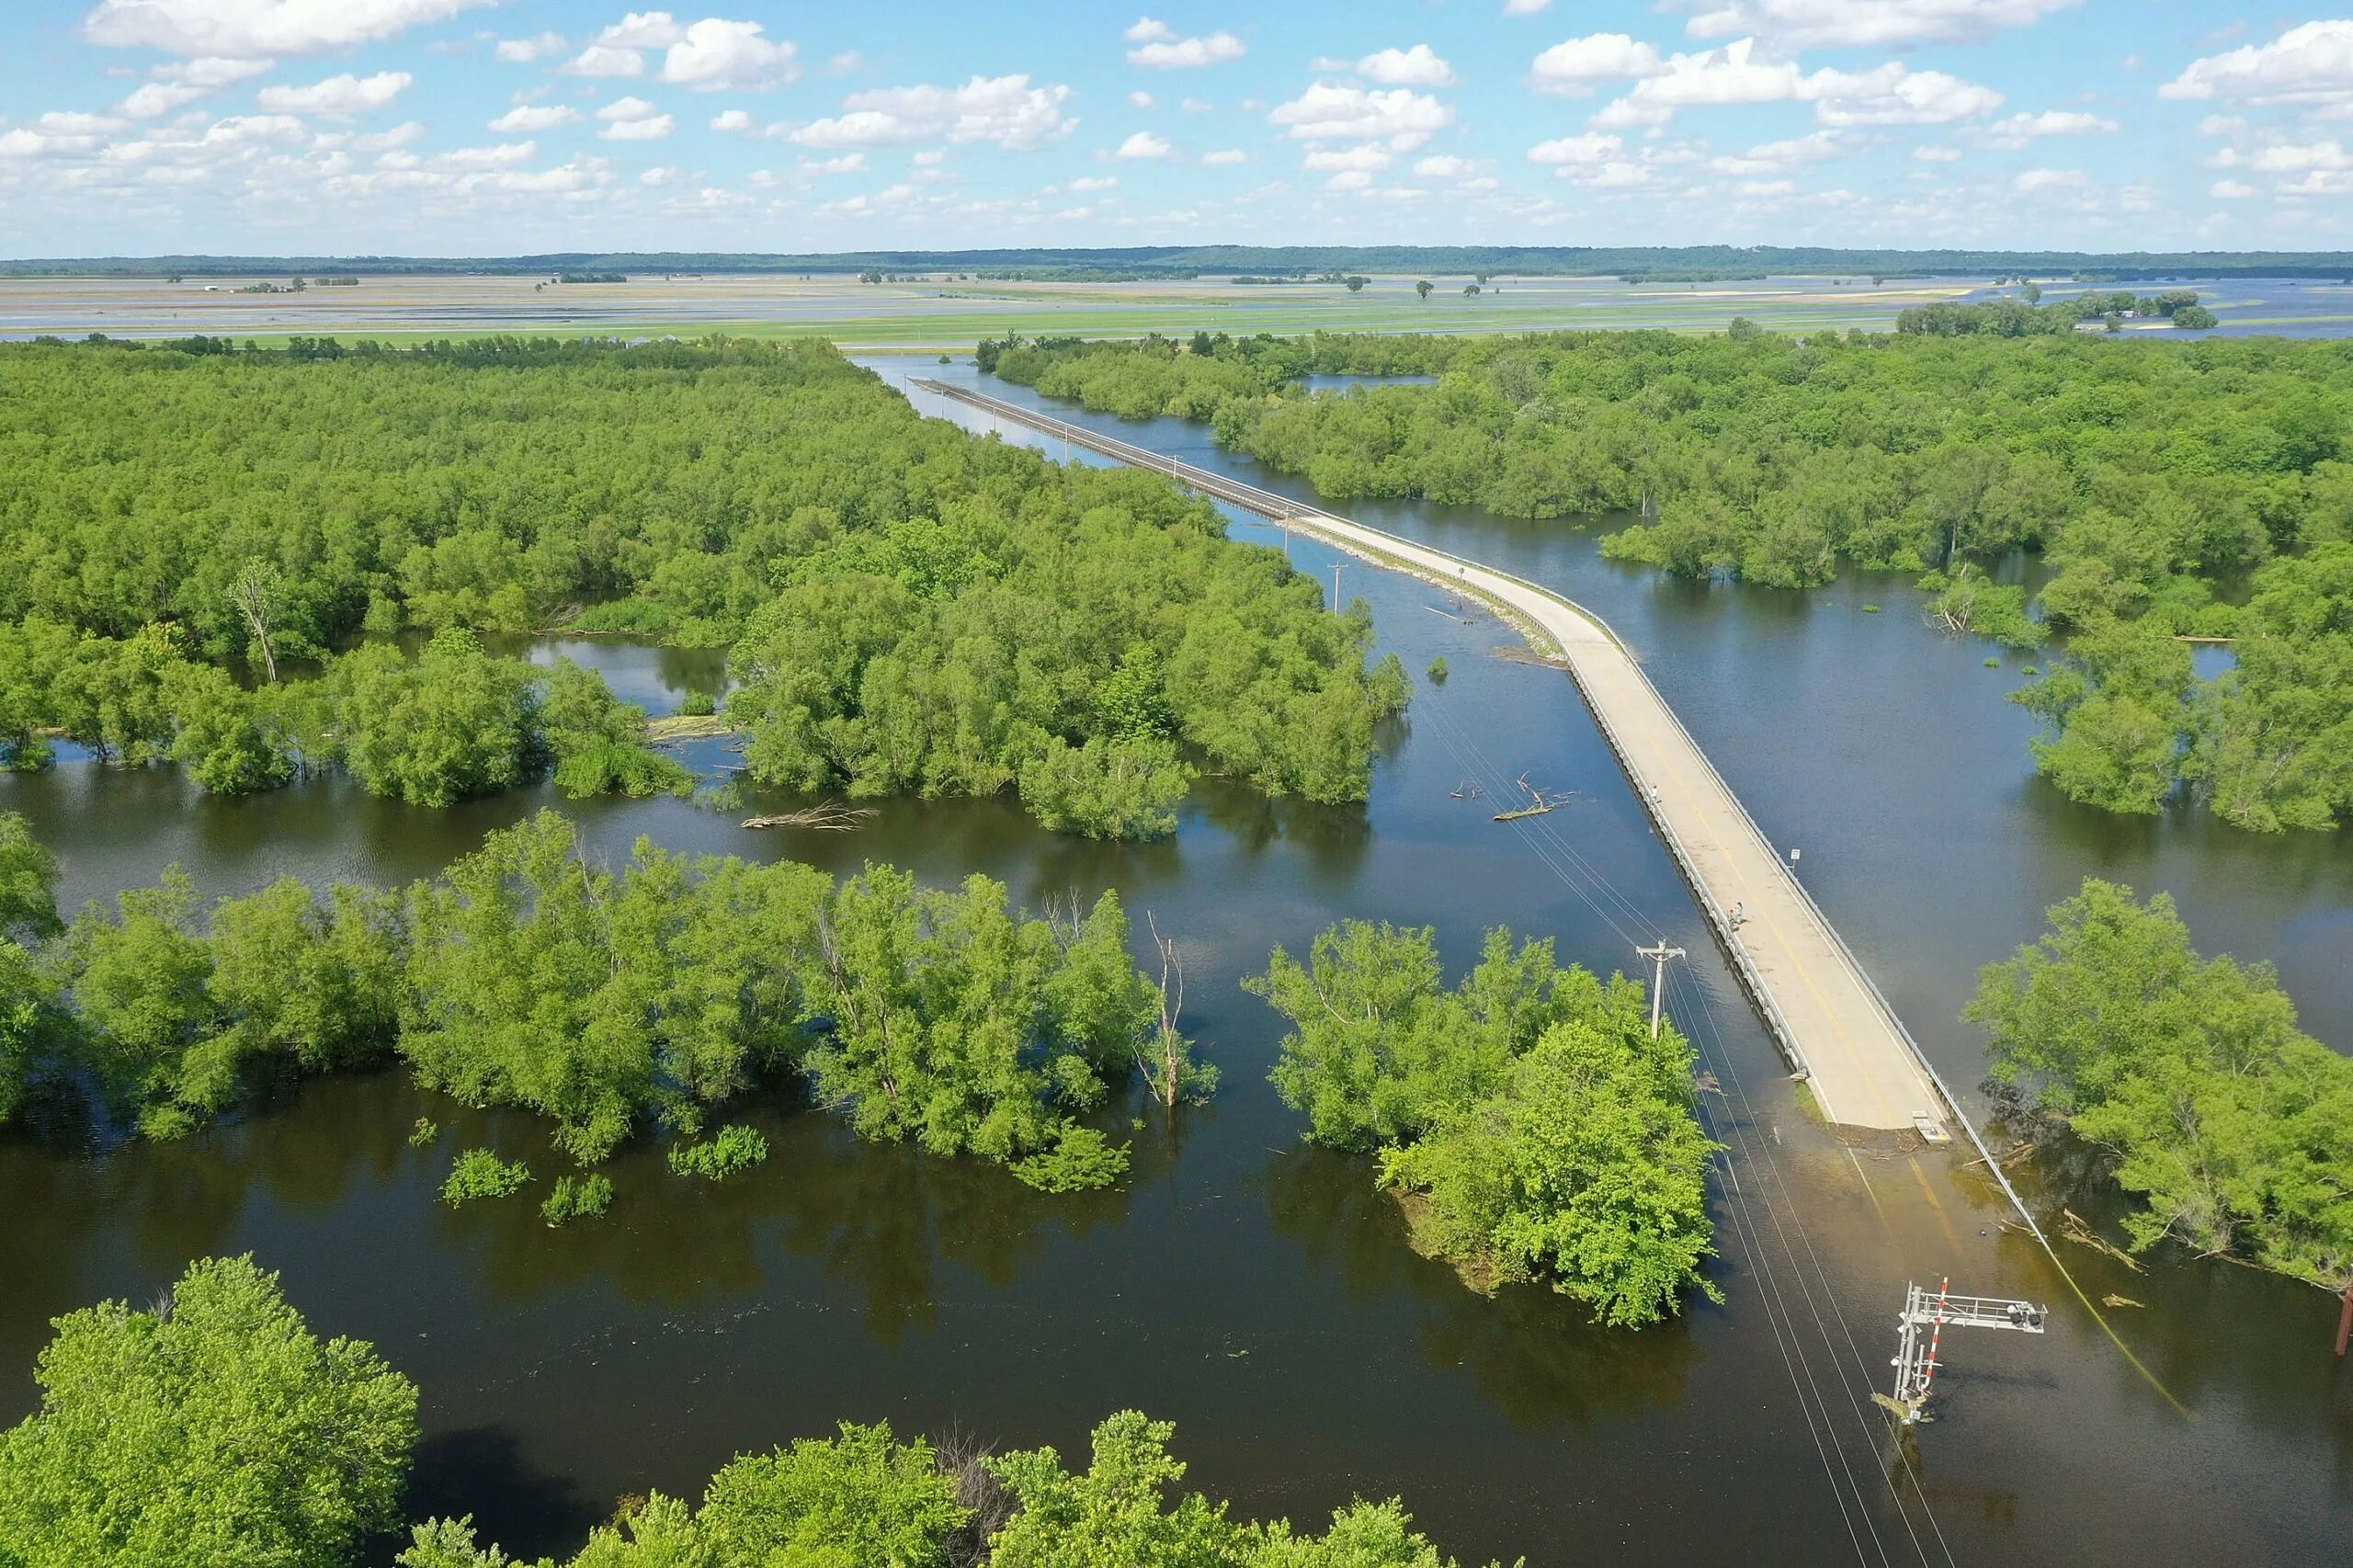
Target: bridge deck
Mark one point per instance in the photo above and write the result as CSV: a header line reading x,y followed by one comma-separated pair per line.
x,y
1829,1018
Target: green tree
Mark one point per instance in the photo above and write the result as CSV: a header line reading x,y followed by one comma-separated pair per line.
x,y
2120,703
2276,747
1424,288
1118,1512
27,882
1535,1129
450,724
217,1432
140,980
1378,1048
857,1498
2188,1075
960,1025
1585,1168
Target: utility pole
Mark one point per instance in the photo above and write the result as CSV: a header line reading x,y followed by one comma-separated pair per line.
x,y
1660,953
1336,587
2345,1321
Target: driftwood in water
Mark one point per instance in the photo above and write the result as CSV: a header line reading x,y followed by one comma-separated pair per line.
x,y
686,727
1542,802
830,817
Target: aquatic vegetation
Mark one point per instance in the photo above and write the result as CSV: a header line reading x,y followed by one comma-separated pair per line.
x,y
729,1152
478,1174
577,1198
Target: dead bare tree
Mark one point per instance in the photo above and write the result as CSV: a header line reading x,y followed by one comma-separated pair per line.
x,y
1166,1075
959,1454
255,593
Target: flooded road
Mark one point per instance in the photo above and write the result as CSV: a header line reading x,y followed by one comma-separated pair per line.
x,y
1262,1295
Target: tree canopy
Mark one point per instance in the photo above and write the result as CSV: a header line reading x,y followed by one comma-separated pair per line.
x,y
2231,1126
611,1001
1534,1129
865,1500
910,607
215,1431
2152,478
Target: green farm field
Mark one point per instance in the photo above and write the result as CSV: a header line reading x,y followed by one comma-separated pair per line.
x,y
936,313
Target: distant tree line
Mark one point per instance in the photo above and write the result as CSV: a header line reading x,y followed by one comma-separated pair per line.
x,y
2013,318
613,1003
2160,483
216,1426
911,608
1596,261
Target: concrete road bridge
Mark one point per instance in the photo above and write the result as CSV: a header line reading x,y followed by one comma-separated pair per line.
x,y
1832,1026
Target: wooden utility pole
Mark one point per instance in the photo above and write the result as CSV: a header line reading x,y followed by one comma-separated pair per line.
x,y
2344,1320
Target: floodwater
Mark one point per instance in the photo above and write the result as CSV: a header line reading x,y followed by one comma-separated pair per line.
x,y
948,312
1260,1294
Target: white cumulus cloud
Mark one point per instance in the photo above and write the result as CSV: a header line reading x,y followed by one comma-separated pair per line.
x,y
1891,94
604,60
2312,63
1338,112
251,27
1159,49
1143,144
634,120
1851,24
340,95
2020,129
1004,110
1417,67
1778,157
715,55
535,116
523,50
1573,68
1592,148
1225,157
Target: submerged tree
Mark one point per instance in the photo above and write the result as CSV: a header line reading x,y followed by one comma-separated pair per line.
x,y
1535,1127
2233,1126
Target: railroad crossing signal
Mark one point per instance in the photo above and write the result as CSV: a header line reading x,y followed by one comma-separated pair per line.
x,y
1916,1355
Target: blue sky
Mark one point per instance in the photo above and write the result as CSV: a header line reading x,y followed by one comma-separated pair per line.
x,y
477,127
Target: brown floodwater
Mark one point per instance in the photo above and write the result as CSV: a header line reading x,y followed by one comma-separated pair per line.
x,y
1261,1294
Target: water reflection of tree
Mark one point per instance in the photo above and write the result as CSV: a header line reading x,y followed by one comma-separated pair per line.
x,y
1333,838
481,1471
2279,1326
1535,1355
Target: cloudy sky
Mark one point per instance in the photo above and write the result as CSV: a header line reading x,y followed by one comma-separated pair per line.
x,y
488,127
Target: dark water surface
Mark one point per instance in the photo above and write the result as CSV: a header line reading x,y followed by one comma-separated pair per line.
x,y
1262,1295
